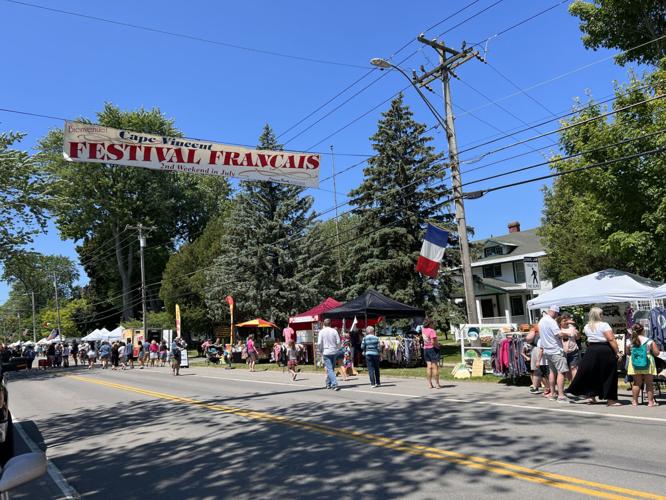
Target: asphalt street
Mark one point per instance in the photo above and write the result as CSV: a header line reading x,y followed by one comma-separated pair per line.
x,y
212,433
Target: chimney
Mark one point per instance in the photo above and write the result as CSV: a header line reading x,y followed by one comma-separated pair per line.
x,y
514,227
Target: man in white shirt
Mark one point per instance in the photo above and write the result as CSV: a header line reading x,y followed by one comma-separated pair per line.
x,y
329,345
553,350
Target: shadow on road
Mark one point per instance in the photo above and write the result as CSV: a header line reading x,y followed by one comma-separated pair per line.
x,y
142,448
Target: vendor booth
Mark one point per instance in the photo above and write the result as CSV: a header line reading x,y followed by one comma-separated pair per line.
x,y
263,343
305,324
401,346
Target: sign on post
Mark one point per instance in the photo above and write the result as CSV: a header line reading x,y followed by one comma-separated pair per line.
x,y
532,276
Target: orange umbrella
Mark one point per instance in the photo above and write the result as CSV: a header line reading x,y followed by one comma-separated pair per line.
x,y
258,323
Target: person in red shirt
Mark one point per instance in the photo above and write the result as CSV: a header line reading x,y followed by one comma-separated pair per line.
x,y
431,354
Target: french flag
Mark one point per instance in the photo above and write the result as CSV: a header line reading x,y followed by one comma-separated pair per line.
x,y
432,251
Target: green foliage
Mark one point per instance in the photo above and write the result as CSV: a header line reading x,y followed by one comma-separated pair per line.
x,y
93,203
22,196
72,319
401,191
184,281
261,250
613,216
162,320
624,24
28,272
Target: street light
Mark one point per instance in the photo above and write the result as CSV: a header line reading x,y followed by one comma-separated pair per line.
x,y
383,64
448,125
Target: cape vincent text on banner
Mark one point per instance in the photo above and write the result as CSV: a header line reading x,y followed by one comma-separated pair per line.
x,y
90,143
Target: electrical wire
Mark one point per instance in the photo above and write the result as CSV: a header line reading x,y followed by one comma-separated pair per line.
x,y
188,36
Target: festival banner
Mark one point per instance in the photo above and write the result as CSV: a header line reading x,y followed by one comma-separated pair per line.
x,y
98,144
177,320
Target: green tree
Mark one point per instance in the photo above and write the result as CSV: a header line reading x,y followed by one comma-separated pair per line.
x,y
402,190
29,272
93,203
72,319
263,237
624,24
184,281
613,216
22,196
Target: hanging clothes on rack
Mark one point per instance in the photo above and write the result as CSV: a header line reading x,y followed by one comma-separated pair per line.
x,y
658,326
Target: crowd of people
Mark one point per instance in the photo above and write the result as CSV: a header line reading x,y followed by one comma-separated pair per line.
x,y
116,355
554,354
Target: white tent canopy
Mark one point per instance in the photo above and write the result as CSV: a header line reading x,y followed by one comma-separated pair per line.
x,y
602,287
116,333
659,293
92,336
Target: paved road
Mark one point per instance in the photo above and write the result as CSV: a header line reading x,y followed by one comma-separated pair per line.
x,y
213,433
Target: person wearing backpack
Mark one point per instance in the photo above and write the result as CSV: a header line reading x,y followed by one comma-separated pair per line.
x,y
641,364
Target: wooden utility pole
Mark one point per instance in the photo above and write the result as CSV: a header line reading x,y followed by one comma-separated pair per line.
x,y
450,59
142,244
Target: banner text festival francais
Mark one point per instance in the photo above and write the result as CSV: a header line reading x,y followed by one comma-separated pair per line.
x,y
98,144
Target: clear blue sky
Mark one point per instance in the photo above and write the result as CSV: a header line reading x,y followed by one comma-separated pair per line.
x,y
65,66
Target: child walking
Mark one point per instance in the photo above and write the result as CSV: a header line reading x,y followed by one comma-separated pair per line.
x,y
292,359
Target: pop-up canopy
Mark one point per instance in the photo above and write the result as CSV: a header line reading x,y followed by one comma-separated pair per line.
x,y
257,323
315,313
372,304
659,293
602,287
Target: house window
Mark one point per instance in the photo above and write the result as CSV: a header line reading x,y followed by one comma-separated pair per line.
x,y
487,308
517,308
495,250
519,272
492,271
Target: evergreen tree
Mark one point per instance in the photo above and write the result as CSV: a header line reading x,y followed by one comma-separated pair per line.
x,y
261,250
401,192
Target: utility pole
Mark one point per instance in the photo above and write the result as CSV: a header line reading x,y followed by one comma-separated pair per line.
x,y
18,328
337,229
450,59
55,285
34,325
142,244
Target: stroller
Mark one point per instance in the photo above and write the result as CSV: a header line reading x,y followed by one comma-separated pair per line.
x,y
212,355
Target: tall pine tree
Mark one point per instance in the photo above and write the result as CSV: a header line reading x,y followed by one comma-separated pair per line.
x,y
402,190
261,250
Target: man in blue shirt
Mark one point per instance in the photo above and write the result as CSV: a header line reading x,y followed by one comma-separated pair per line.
x,y
370,347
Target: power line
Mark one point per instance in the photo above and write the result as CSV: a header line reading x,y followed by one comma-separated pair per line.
x,y
329,113
188,36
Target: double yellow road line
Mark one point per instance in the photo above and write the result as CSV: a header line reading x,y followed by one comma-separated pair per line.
x,y
553,480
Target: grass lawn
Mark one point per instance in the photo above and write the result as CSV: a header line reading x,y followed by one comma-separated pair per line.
x,y
416,372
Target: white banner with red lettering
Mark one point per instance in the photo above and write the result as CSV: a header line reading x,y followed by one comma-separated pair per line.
x,y
98,144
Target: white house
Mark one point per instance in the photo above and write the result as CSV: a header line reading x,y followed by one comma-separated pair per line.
x,y
499,275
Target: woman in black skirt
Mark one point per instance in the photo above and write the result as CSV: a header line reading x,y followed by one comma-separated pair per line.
x,y
597,371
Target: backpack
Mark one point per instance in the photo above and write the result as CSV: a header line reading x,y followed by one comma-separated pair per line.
x,y
639,359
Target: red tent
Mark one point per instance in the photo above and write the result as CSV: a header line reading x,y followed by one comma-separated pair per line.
x,y
304,320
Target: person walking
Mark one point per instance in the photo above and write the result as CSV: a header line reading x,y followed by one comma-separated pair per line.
x,y
139,356
251,353
431,354
115,356
551,341
122,357
75,352
329,345
154,349
292,359
597,371
146,352
641,352
92,355
65,355
370,349
175,357
105,354
163,353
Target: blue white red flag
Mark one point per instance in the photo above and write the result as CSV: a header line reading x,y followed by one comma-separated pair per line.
x,y
432,251
53,334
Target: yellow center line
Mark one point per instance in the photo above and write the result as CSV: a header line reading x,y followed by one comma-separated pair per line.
x,y
569,483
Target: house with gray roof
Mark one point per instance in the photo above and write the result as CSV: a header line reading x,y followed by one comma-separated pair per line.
x,y
500,284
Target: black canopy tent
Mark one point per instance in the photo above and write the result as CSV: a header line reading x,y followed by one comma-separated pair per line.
x,y
373,304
